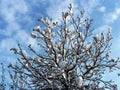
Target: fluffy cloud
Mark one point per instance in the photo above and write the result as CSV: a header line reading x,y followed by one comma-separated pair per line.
x,y
102,9
112,16
12,12
103,28
89,6
25,38
57,7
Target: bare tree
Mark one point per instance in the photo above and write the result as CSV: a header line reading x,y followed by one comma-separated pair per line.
x,y
16,79
70,57
2,83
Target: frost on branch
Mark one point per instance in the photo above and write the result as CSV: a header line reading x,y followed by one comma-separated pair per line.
x,y
79,81
37,28
66,58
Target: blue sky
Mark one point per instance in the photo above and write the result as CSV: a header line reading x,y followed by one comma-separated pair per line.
x,y
18,18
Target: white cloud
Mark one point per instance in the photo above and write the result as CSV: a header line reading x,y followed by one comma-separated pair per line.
x,y
5,55
103,28
10,10
13,8
21,37
89,6
6,44
25,38
102,9
112,16
13,12
57,7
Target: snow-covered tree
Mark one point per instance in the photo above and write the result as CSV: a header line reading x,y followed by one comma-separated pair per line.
x,y
2,75
69,56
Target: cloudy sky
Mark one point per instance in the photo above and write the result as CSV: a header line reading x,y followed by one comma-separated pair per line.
x,y
18,17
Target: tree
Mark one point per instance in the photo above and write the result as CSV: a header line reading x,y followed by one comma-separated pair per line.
x,y
71,57
2,83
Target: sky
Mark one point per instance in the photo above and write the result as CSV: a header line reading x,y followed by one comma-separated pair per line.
x,y
19,17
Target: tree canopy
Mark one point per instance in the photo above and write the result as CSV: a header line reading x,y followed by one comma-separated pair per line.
x,y
70,56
